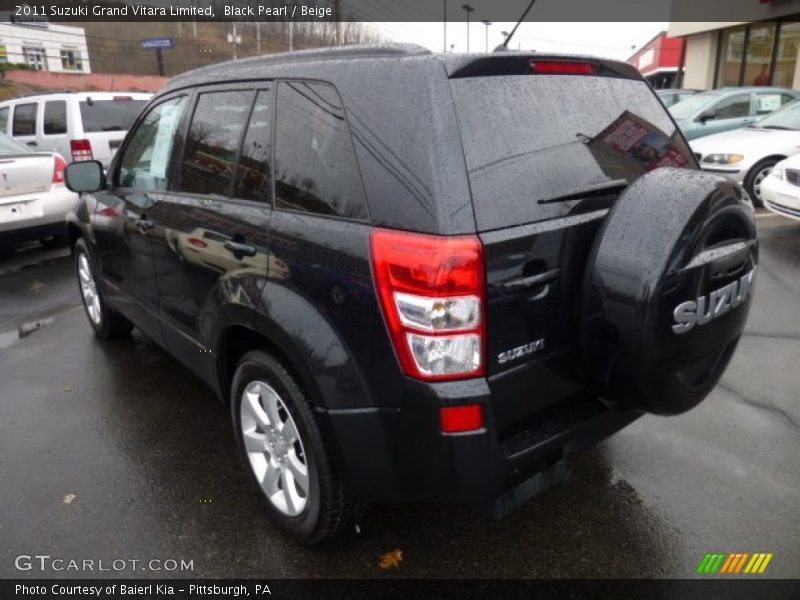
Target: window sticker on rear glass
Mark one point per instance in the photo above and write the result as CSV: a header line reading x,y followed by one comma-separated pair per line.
x,y
637,140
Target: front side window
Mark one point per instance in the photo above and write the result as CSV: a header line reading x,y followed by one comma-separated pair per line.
x,y
55,117
733,107
145,163
212,143
24,122
315,163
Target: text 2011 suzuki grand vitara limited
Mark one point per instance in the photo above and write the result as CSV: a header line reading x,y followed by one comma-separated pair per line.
x,y
417,277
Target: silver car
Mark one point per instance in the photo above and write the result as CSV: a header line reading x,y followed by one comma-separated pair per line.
x,y
746,155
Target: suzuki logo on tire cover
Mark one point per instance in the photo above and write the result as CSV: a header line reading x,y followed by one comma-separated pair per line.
x,y
717,303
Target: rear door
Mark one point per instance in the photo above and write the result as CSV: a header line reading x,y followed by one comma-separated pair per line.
x,y
24,119
124,231
104,121
547,155
212,253
55,136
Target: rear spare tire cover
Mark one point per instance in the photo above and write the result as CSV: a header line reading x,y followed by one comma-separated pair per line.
x,y
667,290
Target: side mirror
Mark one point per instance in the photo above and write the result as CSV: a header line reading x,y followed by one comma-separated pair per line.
x,y
85,176
707,115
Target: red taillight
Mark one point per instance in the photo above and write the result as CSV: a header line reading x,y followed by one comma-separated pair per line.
x,y
563,67
197,242
58,169
457,419
432,294
81,150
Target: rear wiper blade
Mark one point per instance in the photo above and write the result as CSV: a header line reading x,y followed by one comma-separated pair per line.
x,y
598,189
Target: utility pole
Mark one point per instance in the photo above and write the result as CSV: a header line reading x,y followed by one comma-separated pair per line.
x,y
234,39
291,32
468,9
336,7
487,23
444,22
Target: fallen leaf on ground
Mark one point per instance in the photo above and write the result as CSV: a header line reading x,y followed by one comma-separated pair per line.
x,y
69,498
391,560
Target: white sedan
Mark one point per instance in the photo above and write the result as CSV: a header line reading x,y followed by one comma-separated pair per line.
x,y
34,201
780,191
746,155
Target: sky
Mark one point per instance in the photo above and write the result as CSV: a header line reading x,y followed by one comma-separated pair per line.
x,y
609,40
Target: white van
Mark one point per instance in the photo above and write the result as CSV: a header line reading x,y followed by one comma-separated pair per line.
x,y
77,125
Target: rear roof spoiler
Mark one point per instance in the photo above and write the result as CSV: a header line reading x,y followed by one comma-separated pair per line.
x,y
515,63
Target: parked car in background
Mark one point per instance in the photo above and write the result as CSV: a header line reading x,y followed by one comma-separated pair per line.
x,y
780,190
33,198
747,155
672,96
727,108
77,125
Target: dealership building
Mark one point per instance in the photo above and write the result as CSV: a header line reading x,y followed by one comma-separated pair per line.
x,y
760,51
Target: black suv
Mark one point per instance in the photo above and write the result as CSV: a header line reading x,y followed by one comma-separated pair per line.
x,y
417,277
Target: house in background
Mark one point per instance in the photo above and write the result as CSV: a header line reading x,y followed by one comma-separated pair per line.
x,y
45,46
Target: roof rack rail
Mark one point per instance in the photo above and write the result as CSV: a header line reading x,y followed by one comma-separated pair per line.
x,y
325,53
46,93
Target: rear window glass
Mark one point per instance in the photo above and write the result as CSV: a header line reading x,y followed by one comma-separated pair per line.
x,y
110,115
24,119
55,117
529,139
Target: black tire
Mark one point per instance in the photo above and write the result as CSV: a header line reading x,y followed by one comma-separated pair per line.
x,y
110,324
328,509
58,240
752,174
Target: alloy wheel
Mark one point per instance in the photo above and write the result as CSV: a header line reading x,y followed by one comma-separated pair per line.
x,y
91,299
274,448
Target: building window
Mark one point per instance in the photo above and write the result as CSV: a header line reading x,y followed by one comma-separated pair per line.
x,y
786,58
730,57
758,60
71,60
35,58
758,54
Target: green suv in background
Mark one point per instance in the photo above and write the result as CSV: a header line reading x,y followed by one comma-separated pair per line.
x,y
727,108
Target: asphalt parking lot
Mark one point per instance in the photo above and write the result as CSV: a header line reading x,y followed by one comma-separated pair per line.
x,y
113,450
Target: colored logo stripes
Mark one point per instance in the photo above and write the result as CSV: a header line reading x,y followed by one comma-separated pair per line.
x,y
738,562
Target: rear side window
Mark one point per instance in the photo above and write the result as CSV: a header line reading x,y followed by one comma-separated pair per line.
x,y
145,163
4,119
315,164
531,138
253,172
110,115
55,117
213,142
24,119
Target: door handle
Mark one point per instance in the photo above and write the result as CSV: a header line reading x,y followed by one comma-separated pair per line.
x,y
240,248
32,144
144,223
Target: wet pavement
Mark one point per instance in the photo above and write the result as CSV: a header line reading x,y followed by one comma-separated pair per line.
x,y
113,450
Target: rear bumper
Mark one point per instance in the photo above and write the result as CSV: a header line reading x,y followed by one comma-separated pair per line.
x,y
393,455
53,208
